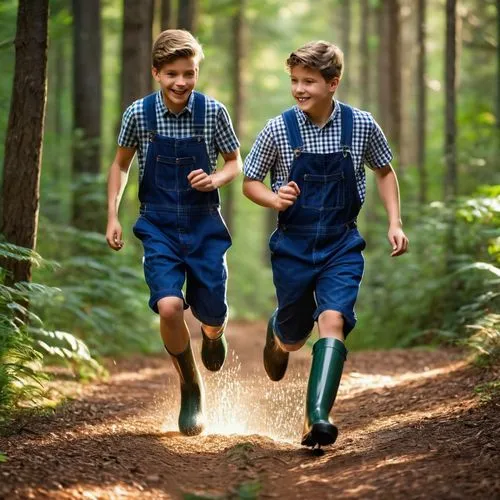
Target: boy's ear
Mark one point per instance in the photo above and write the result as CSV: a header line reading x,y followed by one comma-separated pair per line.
x,y
334,83
155,73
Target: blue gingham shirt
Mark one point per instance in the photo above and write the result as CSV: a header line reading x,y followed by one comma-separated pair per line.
x,y
272,151
219,133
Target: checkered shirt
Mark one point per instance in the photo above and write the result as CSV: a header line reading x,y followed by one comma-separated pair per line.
x,y
272,152
219,132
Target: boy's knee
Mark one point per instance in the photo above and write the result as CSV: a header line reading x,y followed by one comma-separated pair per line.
x,y
331,320
291,347
170,307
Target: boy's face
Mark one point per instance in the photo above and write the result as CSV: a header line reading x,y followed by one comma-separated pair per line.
x,y
177,80
311,91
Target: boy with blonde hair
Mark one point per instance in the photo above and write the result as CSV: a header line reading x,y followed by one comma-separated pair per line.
x,y
315,154
177,134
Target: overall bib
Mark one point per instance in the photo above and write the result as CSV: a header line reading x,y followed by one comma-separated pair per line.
x,y
182,230
316,249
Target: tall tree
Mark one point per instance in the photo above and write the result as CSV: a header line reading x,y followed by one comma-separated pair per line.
x,y
389,92
384,62
421,101
136,78
166,14
238,31
23,145
451,181
187,15
87,97
346,47
498,65
364,49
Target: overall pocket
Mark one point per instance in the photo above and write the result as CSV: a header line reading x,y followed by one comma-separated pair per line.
x,y
323,192
171,173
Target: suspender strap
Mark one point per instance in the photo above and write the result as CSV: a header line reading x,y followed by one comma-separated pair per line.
x,y
149,104
346,121
292,130
199,113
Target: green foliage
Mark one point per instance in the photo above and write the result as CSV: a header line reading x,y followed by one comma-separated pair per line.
x,y
25,343
100,294
432,294
488,391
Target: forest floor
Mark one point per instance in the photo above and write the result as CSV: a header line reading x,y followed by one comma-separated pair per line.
x,y
413,424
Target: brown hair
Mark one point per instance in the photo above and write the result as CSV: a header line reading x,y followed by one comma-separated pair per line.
x,y
320,55
173,44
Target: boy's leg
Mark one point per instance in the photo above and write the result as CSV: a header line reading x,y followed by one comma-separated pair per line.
x,y
207,286
291,324
336,292
175,335
214,346
164,271
329,354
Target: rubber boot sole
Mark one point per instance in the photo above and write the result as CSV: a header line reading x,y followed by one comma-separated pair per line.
x,y
322,434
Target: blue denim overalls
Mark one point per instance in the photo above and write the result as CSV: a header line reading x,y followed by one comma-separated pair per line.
x,y
316,249
182,230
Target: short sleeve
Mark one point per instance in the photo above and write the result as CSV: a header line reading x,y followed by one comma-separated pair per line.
x,y
263,155
128,137
225,137
377,153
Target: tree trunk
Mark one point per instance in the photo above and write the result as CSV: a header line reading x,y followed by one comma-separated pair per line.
x,y
451,181
136,50
166,14
498,67
238,29
383,67
346,48
421,101
364,49
389,88
23,145
187,15
395,74
87,97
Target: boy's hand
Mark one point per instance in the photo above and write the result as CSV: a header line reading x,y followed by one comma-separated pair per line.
x,y
286,196
201,181
398,240
114,234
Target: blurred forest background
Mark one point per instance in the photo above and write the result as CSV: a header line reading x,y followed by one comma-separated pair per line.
x,y
428,71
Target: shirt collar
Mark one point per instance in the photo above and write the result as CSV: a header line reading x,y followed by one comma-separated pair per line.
x,y
165,110
303,118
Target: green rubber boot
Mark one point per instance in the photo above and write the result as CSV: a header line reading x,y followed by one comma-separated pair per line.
x,y
191,417
326,370
213,351
275,359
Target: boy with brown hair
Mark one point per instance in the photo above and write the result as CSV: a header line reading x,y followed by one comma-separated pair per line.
x,y
178,134
315,154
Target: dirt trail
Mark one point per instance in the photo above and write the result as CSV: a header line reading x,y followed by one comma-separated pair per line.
x,y
411,426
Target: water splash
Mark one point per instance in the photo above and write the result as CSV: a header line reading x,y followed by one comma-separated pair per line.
x,y
246,403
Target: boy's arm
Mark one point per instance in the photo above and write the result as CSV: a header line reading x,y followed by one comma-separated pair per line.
x,y
259,193
227,144
117,180
388,189
201,181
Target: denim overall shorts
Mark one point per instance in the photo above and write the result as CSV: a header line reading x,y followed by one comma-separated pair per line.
x,y
316,249
184,236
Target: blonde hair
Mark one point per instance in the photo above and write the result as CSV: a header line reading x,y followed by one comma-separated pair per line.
x,y
173,44
327,58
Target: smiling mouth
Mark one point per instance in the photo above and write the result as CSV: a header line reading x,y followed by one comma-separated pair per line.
x,y
178,92
302,99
